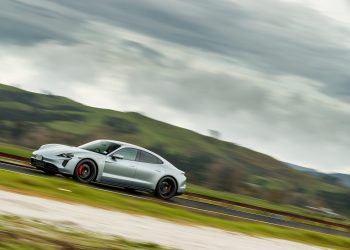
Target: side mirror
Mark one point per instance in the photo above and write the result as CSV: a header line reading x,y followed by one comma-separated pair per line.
x,y
117,156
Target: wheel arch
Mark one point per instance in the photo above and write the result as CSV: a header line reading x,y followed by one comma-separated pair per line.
x,y
90,159
168,193
171,176
87,158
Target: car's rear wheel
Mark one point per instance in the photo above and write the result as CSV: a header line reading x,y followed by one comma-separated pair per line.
x,y
166,188
85,171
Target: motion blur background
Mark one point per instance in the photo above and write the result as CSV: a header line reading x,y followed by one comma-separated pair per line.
x,y
267,75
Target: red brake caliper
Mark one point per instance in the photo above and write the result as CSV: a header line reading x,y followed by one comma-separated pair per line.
x,y
80,169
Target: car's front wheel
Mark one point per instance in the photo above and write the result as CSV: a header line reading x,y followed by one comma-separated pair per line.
x,y
166,188
85,171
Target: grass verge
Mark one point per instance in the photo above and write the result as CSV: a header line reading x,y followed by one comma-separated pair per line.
x,y
50,188
22,234
262,203
15,150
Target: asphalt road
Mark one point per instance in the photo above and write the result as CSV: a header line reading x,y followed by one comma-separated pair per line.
x,y
214,210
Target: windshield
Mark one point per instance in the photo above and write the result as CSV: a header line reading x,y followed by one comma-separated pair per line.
x,y
101,147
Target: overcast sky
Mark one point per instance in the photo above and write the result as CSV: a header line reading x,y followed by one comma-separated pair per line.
x,y
271,75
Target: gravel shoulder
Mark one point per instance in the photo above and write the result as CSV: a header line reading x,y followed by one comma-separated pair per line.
x,y
137,228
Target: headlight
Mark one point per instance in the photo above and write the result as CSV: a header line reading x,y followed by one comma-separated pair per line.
x,y
66,155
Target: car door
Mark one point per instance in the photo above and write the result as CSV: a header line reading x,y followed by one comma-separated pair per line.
x,y
148,171
121,171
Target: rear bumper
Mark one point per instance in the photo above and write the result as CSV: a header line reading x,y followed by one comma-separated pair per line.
x,y
182,186
181,190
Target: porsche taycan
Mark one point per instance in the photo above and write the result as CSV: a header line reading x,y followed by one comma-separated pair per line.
x,y
113,163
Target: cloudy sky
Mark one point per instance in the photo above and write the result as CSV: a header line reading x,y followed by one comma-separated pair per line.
x,y
272,75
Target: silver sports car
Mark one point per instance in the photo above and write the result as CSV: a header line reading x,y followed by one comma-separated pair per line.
x,y
114,163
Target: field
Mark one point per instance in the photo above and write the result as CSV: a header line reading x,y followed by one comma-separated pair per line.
x,y
15,150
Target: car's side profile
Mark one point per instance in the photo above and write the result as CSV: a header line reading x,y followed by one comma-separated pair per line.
x,y
114,163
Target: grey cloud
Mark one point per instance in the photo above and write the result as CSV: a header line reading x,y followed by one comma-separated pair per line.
x,y
146,52
14,31
280,38
26,24
275,37
201,92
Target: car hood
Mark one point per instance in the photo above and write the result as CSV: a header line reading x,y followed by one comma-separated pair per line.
x,y
56,149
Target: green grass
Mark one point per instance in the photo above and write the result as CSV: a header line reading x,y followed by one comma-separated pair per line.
x,y
49,188
15,150
258,202
16,105
25,234
70,127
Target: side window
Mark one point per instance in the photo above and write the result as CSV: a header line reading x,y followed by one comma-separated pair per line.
x,y
112,148
148,158
128,153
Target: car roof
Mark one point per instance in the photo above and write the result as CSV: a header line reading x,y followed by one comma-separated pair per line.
x,y
121,143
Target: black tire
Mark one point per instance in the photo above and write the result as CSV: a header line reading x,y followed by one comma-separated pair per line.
x,y
166,188
85,171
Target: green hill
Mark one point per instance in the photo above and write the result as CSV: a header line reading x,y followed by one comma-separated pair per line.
x,y
31,119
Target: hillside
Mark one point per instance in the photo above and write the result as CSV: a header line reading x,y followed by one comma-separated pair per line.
x,y
31,119
303,169
343,179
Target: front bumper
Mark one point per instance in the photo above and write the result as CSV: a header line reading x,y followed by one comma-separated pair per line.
x,y
42,165
57,165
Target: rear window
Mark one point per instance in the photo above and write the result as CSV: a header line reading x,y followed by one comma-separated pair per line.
x,y
148,158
